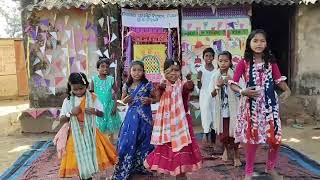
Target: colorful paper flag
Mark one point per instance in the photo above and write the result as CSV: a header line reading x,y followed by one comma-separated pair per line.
x,y
37,81
113,19
58,80
54,111
44,22
101,21
88,25
47,81
113,37
52,90
106,40
99,53
39,72
231,24
49,57
36,61
106,53
71,60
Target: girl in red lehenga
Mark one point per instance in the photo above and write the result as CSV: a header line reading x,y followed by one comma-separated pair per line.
x,y
177,151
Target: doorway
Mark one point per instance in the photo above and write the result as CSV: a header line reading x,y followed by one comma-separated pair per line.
x,y
278,22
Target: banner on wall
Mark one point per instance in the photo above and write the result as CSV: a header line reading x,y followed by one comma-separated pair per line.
x,y
220,33
150,18
153,57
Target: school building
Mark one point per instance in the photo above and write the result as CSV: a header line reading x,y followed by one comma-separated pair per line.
x,y
61,37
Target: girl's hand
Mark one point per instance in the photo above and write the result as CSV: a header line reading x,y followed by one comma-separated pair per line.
x,y
163,84
75,111
220,82
285,95
90,111
250,92
127,99
146,100
114,111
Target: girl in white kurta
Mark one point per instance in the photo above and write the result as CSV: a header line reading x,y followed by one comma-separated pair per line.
x,y
205,100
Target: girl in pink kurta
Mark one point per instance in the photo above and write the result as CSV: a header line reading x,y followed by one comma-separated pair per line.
x,y
258,119
176,150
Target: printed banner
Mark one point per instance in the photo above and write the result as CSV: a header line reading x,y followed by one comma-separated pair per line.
x,y
220,33
150,18
153,57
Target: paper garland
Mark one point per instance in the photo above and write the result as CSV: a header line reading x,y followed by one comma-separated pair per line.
x,y
35,113
36,61
106,53
101,21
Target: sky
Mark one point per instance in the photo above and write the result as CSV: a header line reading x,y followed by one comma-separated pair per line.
x,y
3,23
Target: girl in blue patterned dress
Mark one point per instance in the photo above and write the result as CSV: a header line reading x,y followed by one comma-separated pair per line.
x,y
135,133
105,88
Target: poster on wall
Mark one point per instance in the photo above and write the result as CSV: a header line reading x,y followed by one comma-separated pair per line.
x,y
153,57
221,29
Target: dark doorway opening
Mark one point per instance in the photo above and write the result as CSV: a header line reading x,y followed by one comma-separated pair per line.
x,y
278,22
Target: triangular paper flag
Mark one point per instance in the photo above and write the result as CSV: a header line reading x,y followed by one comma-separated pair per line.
x,y
113,19
36,61
45,22
113,65
78,63
88,25
68,32
197,113
99,53
49,57
65,51
57,65
114,37
101,21
43,48
106,53
106,40
47,81
58,80
40,111
39,72
64,71
71,60
66,19
33,113
54,112
52,90
84,64
54,35
82,52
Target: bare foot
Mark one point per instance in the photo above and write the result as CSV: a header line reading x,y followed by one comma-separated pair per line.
x,y
248,177
275,175
237,162
225,155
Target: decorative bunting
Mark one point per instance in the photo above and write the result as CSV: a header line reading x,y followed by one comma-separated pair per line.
x,y
47,81
54,35
49,57
35,113
39,72
106,53
113,20
231,24
114,37
36,61
57,65
52,90
58,80
88,25
66,19
44,22
71,60
99,53
101,21
81,52
106,40
54,111
37,81
64,70
197,113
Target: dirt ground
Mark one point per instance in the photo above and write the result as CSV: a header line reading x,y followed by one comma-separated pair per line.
x,y
306,140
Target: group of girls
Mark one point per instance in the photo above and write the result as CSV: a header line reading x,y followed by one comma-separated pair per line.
x,y
165,142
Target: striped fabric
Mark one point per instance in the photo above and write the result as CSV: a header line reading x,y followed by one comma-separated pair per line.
x,y
170,124
85,144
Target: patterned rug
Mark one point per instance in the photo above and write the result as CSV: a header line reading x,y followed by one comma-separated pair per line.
x,y
44,164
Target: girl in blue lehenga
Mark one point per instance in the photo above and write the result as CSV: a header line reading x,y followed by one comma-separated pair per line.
x,y
135,133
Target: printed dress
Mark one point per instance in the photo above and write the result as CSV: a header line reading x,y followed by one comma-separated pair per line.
x,y
135,134
85,143
103,89
206,101
258,120
176,149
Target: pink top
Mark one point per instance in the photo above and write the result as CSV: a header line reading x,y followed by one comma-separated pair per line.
x,y
241,69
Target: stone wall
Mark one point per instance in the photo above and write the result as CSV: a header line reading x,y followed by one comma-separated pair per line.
x,y
306,76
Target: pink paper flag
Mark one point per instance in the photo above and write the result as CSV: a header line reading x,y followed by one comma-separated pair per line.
x,y
40,111
106,40
33,113
58,80
54,111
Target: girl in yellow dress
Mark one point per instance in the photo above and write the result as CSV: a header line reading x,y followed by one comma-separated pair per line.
x,y
84,149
